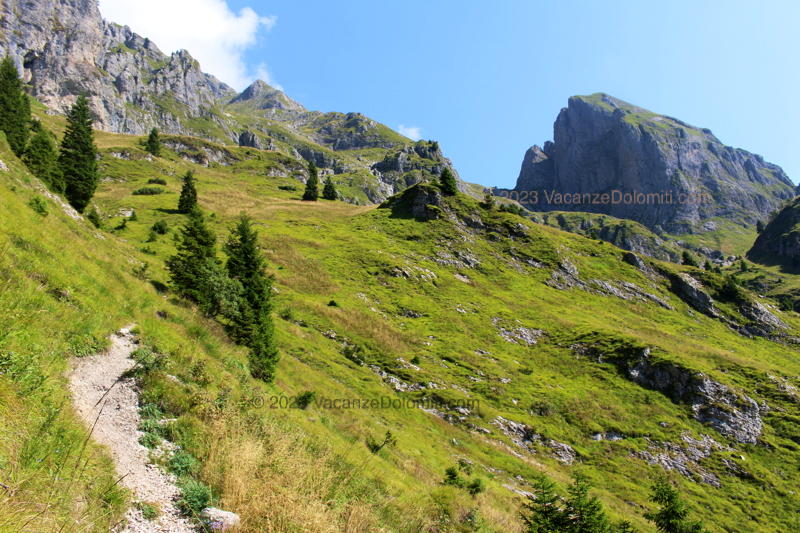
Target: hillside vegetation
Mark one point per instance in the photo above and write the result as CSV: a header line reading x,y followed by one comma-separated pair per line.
x,y
529,351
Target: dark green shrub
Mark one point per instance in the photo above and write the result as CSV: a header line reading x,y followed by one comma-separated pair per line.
x,y
94,217
476,486
305,399
160,227
157,181
38,204
452,477
147,191
147,360
195,496
183,464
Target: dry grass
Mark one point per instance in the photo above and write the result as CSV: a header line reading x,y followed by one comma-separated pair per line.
x,y
278,484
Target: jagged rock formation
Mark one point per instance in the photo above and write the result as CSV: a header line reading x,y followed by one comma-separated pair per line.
x,y
731,413
779,243
64,48
676,176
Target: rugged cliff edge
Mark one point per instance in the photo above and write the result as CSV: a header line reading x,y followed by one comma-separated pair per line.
x,y
611,157
779,243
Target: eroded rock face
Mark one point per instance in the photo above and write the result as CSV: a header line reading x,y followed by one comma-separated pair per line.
x,y
65,48
734,415
249,139
779,243
602,145
691,291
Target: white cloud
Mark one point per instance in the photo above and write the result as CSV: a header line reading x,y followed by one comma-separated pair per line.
x,y
214,35
412,132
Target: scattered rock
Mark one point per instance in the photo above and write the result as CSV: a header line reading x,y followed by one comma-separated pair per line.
x,y
608,435
219,520
517,334
684,458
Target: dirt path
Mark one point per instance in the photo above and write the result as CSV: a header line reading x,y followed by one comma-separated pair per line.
x,y
109,402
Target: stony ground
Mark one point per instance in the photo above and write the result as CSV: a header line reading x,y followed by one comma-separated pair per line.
x,y
107,401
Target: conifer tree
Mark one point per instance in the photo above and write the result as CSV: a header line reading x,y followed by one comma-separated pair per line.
x,y
447,182
15,110
585,512
311,193
153,143
195,249
197,274
542,513
672,516
547,512
253,324
41,158
329,191
688,259
77,160
188,200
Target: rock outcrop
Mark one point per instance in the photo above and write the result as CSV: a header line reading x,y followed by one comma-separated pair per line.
x,y
611,157
65,48
733,415
779,243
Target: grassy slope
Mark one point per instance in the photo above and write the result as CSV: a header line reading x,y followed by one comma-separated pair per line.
x,y
300,462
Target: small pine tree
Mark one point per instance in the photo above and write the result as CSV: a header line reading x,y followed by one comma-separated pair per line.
x,y
760,226
94,217
447,182
15,110
311,193
672,516
195,271
77,160
41,158
743,266
543,513
252,325
688,259
188,200
585,511
329,191
153,143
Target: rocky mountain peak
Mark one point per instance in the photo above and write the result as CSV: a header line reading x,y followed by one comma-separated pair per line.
x,y
612,157
264,96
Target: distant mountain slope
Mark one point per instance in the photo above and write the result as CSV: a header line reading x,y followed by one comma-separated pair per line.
x,y
65,48
611,157
779,243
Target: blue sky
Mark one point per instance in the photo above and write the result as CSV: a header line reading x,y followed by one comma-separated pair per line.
x,y
487,79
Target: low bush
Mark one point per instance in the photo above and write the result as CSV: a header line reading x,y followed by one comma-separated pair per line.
x,y
147,191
